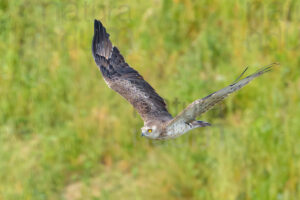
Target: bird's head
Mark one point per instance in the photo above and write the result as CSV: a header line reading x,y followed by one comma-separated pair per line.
x,y
150,131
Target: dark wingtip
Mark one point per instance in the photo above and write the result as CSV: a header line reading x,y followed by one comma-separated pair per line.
x,y
96,21
97,25
101,44
267,68
98,28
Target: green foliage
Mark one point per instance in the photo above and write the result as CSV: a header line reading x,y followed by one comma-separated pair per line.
x,y
65,135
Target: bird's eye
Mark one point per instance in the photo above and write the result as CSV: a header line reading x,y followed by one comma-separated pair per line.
x,y
149,130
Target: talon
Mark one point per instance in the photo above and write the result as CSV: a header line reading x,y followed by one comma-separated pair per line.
x,y
189,124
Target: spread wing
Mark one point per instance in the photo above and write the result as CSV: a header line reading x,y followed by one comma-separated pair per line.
x,y
120,77
200,106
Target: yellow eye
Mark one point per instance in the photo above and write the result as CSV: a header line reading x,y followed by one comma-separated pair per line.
x,y
149,130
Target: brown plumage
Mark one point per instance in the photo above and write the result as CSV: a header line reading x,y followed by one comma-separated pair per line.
x,y
126,81
158,122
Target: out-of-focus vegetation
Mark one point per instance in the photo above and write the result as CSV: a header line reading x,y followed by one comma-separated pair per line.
x,y
65,135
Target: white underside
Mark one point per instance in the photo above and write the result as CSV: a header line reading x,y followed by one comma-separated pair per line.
x,y
176,131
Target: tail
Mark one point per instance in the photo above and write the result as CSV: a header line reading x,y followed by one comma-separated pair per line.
x,y
101,45
197,124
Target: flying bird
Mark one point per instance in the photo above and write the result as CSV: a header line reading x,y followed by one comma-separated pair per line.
x,y
158,122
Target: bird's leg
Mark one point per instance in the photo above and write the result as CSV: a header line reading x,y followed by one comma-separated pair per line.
x,y
189,124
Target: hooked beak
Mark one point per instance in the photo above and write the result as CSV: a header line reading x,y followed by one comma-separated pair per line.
x,y
142,134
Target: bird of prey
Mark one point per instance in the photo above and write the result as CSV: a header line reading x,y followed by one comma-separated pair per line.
x,y
158,122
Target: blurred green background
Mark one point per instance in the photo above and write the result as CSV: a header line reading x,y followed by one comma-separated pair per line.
x,y
65,135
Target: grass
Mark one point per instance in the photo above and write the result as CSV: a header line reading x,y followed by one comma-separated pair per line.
x,y
65,135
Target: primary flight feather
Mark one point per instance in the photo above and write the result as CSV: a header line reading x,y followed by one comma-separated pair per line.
x,y
158,122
